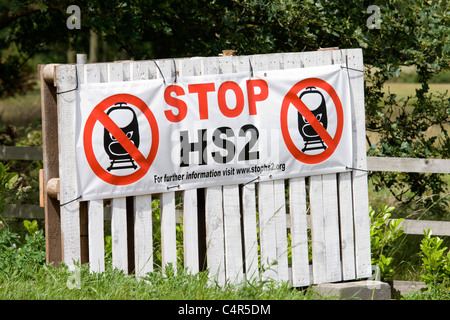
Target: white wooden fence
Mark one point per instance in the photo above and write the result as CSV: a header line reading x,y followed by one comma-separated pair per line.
x,y
246,234
410,226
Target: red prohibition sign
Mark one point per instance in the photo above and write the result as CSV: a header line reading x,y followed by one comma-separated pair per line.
x,y
98,114
331,142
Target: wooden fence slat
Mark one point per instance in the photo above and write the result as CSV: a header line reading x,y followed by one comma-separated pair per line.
x,y
118,205
267,230
143,235
215,245
191,67
319,262
281,229
143,228
330,204
171,70
438,228
140,71
115,72
190,230
167,70
70,221
218,244
346,226
95,208
234,264
96,236
250,231
241,63
393,164
331,227
266,206
21,153
311,59
25,211
345,208
299,233
119,234
291,60
168,230
408,165
359,178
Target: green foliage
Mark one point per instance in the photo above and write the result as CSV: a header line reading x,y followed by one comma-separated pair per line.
x,y
21,256
435,260
412,34
384,233
108,249
20,186
31,226
157,258
7,182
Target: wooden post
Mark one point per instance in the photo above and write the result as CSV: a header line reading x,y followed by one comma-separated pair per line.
x,y
50,162
84,229
67,81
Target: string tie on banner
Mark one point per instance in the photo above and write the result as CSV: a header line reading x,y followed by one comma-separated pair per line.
x,y
175,71
76,85
350,168
63,204
253,180
160,72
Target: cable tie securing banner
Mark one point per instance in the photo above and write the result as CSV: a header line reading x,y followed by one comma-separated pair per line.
x,y
162,75
76,87
257,178
349,168
175,71
62,205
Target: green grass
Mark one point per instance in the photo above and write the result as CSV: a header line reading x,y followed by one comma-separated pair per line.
x,y
24,275
22,109
403,90
50,283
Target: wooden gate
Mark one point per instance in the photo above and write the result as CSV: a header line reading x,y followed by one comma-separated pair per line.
x,y
303,230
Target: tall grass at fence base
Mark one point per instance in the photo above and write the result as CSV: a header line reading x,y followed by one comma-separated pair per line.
x,y
50,283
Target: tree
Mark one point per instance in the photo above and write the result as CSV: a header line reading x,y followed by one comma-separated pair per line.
x,y
411,33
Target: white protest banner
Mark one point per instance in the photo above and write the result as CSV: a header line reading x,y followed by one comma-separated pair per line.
x,y
148,136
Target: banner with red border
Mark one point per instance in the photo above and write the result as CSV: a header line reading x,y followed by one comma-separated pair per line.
x,y
153,136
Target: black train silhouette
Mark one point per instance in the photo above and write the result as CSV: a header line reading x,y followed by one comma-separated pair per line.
x,y
315,101
125,117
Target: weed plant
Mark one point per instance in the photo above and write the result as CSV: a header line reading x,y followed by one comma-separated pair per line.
x,y
384,234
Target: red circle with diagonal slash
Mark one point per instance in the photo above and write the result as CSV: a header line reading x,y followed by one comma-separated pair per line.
x,y
292,98
98,114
